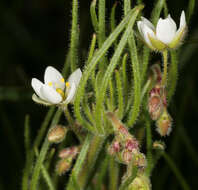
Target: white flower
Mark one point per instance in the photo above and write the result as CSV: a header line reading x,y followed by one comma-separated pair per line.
x,y
165,35
55,90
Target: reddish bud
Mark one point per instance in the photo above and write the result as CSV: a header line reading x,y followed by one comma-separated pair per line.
x,y
114,148
69,152
131,144
155,107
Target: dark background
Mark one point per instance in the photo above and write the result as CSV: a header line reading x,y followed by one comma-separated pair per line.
x,y
35,34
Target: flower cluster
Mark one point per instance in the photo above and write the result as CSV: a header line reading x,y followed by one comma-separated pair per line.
x,y
125,147
55,90
165,34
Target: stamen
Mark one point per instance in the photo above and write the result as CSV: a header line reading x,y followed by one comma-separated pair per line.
x,y
60,91
50,83
67,84
62,80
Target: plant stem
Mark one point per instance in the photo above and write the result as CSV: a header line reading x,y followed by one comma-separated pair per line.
x,y
165,72
41,157
74,35
113,174
79,163
134,112
173,75
37,168
149,148
94,149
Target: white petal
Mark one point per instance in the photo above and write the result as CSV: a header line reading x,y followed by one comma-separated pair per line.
x,y
146,30
148,23
36,85
75,77
50,94
54,76
166,29
182,20
139,24
71,93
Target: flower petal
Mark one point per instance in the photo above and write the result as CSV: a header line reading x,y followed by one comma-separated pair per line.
x,y
75,77
148,23
50,94
182,20
147,31
36,85
166,29
71,93
139,24
54,76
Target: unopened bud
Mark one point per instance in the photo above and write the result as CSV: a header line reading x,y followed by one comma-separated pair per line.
x,y
139,159
159,145
69,152
155,107
131,144
156,101
141,182
63,166
118,126
57,134
126,156
114,147
164,123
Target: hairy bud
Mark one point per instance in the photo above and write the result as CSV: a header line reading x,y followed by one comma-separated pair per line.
x,y
164,123
57,134
63,165
141,182
69,152
159,145
155,102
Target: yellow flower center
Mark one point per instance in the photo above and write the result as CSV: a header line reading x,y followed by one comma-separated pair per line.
x,y
67,84
60,91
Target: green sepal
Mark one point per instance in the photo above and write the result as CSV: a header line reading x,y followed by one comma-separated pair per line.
x,y
40,101
178,38
157,44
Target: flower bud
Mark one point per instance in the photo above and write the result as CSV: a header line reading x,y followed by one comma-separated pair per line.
x,y
69,152
155,107
114,147
139,159
126,156
57,134
63,165
131,144
159,145
164,123
141,182
119,128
